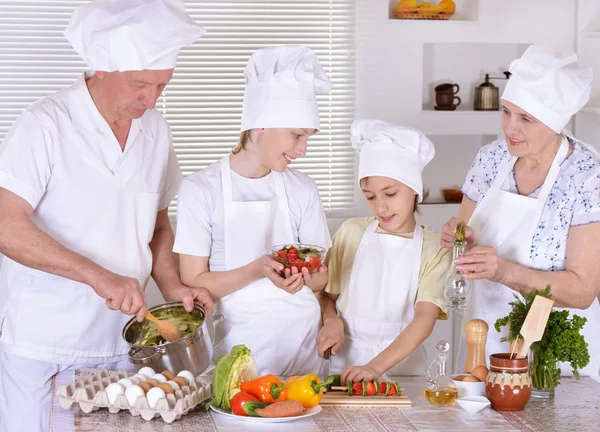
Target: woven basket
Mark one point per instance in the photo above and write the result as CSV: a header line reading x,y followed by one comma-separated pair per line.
x,y
423,14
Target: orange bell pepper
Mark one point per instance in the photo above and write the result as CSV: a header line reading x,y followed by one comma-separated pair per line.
x,y
267,389
308,389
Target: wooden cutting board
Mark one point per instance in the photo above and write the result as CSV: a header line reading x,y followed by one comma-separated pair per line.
x,y
337,398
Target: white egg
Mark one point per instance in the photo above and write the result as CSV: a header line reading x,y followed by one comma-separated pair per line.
x,y
174,385
126,382
187,375
159,377
148,371
154,395
114,390
138,378
133,392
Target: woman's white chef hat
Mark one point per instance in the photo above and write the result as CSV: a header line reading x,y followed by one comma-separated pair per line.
x,y
126,35
548,85
392,151
282,84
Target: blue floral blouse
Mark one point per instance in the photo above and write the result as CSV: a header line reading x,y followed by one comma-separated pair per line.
x,y
574,199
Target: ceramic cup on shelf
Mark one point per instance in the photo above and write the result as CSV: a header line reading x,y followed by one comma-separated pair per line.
x,y
445,97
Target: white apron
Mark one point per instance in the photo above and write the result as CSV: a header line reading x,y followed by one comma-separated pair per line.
x,y
279,328
381,300
507,221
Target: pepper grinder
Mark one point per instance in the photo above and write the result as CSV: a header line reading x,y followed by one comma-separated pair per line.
x,y
476,336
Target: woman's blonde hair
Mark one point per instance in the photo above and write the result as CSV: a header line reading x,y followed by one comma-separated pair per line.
x,y
241,144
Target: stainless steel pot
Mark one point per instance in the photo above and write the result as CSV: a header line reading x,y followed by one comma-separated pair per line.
x,y
192,352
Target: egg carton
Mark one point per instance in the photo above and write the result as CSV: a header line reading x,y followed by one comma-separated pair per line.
x,y
90,395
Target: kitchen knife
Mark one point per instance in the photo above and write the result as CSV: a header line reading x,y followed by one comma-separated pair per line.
x,y
327,357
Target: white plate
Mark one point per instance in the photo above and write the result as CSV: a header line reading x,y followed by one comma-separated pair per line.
x,y
309,413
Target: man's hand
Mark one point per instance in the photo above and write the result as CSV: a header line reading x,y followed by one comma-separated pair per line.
x,y
122,293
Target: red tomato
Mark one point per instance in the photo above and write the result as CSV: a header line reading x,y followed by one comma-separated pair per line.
x,y
282,254
292,248
299,263
238,401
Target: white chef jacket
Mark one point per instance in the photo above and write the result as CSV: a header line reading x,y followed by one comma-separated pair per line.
x,y
200,228
93,198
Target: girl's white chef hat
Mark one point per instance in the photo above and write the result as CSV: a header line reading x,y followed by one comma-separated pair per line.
x,y
282,84
392,151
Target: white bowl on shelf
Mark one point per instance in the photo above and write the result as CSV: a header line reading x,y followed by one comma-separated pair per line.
x,y
469,389
473,404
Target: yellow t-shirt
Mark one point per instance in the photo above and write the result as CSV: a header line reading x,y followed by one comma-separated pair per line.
x,y
435,263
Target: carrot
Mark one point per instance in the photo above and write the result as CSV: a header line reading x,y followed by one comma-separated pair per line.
x,y
289,408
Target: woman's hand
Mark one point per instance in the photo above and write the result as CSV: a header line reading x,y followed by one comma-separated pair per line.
x,y
359,373
331,336
271,269
449,233
316,281
483,262
190,297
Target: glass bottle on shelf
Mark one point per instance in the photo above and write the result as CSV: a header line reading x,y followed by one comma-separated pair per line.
x,y
440,389
457,289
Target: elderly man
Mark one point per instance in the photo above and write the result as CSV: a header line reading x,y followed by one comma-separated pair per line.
x,y
86,176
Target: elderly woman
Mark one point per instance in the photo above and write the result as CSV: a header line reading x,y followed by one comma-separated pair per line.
x,y
532,202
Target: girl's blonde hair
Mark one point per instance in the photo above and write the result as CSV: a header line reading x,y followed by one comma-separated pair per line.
x,y
241,144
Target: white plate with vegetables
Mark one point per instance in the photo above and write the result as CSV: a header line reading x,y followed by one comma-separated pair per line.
x,y
308,413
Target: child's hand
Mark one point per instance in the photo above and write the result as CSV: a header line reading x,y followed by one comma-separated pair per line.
x,y
359,373
316,281
331,336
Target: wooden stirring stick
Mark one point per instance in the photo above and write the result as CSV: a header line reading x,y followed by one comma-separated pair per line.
x,y
168,330
535,323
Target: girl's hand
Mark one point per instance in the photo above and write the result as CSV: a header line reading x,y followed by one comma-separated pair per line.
x,y
483,262
359,373
316,281
331,336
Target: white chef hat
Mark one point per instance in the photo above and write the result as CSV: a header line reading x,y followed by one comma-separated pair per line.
x,y
392,151
125,35
548,85
281,87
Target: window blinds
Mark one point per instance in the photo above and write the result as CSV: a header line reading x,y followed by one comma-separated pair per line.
x,y
203,101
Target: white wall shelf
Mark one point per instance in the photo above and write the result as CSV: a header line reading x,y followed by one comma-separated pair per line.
x,y
591,34
459,122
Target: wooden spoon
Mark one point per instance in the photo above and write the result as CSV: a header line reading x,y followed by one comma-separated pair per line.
x,y
169,331
535,323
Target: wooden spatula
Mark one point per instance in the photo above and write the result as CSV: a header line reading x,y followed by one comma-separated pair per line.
x,y
535,323
168,330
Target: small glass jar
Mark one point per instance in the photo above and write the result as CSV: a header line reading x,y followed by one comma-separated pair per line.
x,y
440,389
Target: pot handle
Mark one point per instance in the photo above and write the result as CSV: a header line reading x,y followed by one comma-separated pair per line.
x,y
136,359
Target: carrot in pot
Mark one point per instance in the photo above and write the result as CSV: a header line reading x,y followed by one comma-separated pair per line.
x,y
289,408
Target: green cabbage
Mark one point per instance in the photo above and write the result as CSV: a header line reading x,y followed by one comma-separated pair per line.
x,y
231,371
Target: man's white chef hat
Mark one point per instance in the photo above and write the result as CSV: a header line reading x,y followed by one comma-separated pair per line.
x,y
281,87
548,85
126,35
392,151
